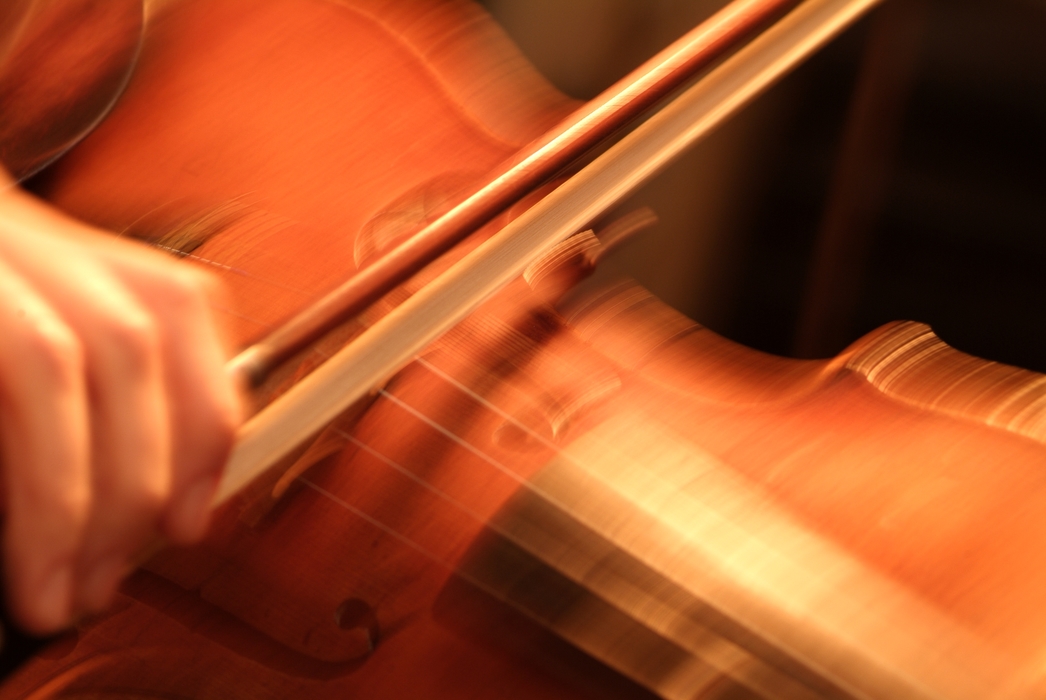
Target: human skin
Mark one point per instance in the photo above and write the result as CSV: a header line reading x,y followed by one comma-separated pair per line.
x,y
116,415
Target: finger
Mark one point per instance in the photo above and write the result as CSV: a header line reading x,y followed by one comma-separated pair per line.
x,y
203,406
45,448
130,461
203,402
131,469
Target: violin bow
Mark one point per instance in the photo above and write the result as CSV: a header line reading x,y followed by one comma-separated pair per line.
x,y
535,165
391,343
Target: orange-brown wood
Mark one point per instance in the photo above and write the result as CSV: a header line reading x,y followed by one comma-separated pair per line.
x,y
394,566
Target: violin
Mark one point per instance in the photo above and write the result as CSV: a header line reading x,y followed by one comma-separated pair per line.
x,y
587,496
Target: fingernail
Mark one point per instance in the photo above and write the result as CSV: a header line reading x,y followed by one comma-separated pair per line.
x,y
53,599
191,514
99,585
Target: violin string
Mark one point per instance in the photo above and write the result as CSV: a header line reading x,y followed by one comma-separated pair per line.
x,y
478,398
206,261
439,428
452,567
449,434
176,252
388,530
308,296
388,461
265,326
384,527
223,268
427,485
458,569
483,401
454,563
423,483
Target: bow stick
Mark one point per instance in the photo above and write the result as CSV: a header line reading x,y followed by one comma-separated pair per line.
x,y
535,165
391,343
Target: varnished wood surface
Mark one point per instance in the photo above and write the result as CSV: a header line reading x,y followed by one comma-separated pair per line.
x,y
369,576
384,348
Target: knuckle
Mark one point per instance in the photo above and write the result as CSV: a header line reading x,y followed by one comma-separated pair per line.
x,y
55,351
145,493
153,496
135,336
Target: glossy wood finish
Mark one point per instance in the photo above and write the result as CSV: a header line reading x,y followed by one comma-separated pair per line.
x,y
396,564
529,169
63,63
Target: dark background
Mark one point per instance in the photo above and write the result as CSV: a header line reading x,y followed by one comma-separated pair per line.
x,y
937,205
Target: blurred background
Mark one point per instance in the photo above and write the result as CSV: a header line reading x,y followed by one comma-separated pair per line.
x,y
900,174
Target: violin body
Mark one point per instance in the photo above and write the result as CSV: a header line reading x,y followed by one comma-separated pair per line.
x,y
425,544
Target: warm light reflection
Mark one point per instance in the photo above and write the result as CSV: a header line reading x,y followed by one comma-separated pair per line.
x,y
588,463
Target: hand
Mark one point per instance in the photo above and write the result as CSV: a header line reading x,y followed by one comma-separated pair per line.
x,y
115,413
